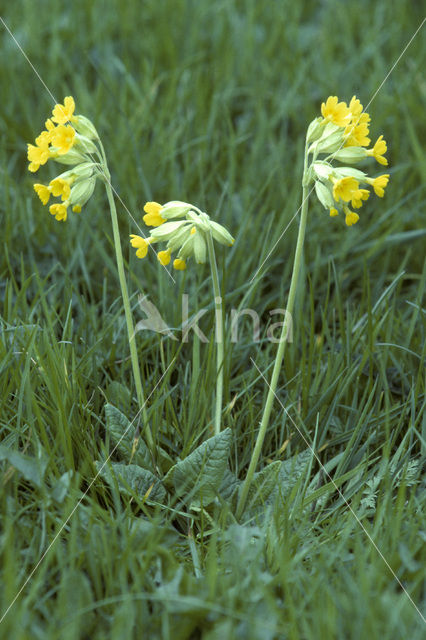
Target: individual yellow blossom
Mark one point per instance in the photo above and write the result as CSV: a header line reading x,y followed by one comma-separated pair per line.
x,y
153,217
335,111
351,217
379,184
60,187
38,154
43,192
164,257
63,138
76,208
333,212
344,188
378,151
355,107
141,244
358,196
59,210
179,264
64,113
356,135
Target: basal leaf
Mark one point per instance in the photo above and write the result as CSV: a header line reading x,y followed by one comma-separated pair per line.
x,y
199,476
122,434
131,478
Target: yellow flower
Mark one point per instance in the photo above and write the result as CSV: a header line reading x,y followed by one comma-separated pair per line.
x,y
378,151
60,187
333,212
336,112
59,210
38,154
179,264
344,188
141,244
43,192
153,217
351,217
358,196
76,208
64,113
379,184
63,138
355,107
357,134
164,257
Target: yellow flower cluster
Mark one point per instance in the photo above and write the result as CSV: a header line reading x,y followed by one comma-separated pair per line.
x,y
68,139
189,236
341,133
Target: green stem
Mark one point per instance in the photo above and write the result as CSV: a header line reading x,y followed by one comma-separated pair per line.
x,y
218,334
127,311
280,352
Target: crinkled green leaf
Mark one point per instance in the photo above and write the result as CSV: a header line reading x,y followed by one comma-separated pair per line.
x,y
199,476
122,434
132,479
62,486
263,487
229,486
292,470
32,469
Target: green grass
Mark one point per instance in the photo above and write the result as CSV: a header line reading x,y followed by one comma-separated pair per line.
x,y
209,102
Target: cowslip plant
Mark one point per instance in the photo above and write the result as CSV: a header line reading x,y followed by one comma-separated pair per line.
x,y
339,134
72,139
190,232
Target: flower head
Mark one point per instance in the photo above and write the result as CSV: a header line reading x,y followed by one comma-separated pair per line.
x,y
140,244
59,210
334,111
378,151
38,154
152,216
350,216
379,184
342,135
60,187
43,192
344,188
179,264
63,138
62,114
68,144
189,236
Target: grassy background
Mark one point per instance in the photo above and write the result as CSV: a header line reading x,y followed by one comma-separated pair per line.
x,y
209,102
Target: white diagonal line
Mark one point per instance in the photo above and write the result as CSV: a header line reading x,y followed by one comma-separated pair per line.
x,y
89,154
343,498
333,154
80,500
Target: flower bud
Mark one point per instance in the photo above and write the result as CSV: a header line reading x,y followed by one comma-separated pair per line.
x,y
167,230
221,234
315,130
351,155
85,144
174,209
200,247
85,127
82,191
324,195
71,157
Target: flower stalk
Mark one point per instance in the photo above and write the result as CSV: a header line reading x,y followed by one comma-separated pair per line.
x,y
280,354
218,334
